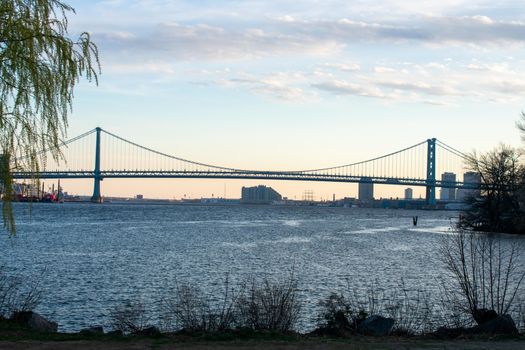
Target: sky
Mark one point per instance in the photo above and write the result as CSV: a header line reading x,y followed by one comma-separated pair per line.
x,y
305,84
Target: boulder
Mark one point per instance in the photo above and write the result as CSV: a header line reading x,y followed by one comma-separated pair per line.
x,y
503,324
92,330
375,325
34,321
484,315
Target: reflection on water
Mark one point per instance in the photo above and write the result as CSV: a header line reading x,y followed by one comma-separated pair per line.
x,y
88,258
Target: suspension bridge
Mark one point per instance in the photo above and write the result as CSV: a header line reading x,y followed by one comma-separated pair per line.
x,y
99,154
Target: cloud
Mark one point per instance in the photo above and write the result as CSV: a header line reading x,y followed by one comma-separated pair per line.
x,y
435,103
383,70
426,29
344,67
140,68
339,87
204,42
420,87
436,84
278,37
280,86
348,55
507,87
489,67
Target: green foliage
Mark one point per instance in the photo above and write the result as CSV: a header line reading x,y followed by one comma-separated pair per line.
x,y
500,207
39,68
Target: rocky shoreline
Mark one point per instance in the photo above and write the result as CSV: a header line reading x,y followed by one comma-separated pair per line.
x,y
371,326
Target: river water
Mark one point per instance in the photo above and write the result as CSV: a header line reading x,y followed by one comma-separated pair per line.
x,y
88,258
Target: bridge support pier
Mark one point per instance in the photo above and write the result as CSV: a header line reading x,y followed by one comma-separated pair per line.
x,y
97,198
431,172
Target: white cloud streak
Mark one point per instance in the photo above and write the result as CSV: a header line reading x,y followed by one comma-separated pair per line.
x,y
217,37
314,38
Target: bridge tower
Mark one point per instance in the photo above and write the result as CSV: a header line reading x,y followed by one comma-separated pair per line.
x,y
96,198
431,172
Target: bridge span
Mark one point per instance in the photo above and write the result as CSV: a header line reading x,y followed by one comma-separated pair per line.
x,y
99,154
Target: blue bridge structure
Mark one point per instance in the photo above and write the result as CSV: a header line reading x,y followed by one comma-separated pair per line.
x,y
99,154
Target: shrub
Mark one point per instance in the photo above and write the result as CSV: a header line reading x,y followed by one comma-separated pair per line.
x,y
487,272
411,309
17,295
130,317
269,305
336,316
190,310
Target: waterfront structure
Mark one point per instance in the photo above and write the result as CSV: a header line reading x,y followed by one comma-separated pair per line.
x,y
474,180
259,195
409,193
308,196
448,194
366,190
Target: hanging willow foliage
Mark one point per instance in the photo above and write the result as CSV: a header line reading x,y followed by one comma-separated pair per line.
x,y
39,67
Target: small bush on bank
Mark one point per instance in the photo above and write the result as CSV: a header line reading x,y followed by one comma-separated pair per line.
x,y
17,295
130,317
411,309
257,305
337,316
189,309
268,305
342,313
487,274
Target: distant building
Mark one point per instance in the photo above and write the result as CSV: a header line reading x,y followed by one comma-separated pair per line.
x,y
259,195
409,193
448,194
366,189
470,178
139,196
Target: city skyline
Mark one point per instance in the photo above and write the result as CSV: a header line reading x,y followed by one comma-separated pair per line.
x,y
293,86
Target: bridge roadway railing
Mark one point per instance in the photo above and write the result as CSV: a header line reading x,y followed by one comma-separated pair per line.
x,y
263,175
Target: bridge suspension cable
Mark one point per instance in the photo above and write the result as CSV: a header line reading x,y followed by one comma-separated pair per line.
x,y
131,143
395,164
120,157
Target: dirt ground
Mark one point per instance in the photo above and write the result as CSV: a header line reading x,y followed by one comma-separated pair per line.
x,y
361,344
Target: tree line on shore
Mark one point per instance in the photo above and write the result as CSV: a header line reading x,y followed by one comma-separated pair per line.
x,y
501,206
